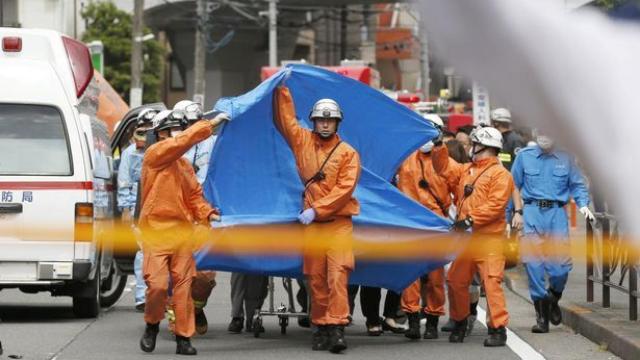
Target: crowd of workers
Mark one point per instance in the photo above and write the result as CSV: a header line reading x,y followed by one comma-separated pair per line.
x,y
485,179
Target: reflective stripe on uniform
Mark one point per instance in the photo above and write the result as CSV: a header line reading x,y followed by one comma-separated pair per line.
x,y
504,157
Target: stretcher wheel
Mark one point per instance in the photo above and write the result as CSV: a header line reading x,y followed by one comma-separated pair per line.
x,y
257,325
284,322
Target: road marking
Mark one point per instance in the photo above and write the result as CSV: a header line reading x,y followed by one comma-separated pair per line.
x,y
514,342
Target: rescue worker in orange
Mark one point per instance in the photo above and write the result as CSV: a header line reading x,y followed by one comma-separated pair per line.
x,y
417,179
483,190
172,202
330,169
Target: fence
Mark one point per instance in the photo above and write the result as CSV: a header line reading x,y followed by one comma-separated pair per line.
x,y
617,259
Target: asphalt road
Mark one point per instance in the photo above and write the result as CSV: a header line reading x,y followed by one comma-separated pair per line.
x,y
42,327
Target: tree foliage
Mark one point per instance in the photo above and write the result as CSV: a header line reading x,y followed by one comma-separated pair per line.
x,y
609,4
112,26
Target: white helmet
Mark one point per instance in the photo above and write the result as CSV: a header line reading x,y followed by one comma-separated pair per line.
x,y
501,115
435,119
326,108
159,121
145,117
191,110
487,136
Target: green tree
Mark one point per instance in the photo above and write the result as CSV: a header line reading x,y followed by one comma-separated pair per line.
x,y
113,27
608,4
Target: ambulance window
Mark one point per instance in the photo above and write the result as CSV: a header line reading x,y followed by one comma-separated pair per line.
x,y
33,141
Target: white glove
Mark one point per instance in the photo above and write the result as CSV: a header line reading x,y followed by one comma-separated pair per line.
x,y
517,223
306,217
587,213
222,117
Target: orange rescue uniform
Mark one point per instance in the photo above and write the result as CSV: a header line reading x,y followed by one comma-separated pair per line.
x,y
486,205
436,198
172,202
327,267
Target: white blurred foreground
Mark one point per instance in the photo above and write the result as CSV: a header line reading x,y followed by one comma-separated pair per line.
x,y
576,76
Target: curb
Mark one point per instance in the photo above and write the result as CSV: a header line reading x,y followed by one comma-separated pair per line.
x,y
597,327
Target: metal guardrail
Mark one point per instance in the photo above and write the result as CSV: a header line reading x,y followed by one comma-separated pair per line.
x,y
617,257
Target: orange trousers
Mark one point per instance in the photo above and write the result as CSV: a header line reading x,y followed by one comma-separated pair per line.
x,y
158,266
203,284
489,263
328,261
435,297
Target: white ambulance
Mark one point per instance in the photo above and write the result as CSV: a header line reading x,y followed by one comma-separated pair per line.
x,y
56,174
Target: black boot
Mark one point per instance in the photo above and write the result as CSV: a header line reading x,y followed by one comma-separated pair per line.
x,y
497,337
458,331
414,326
448,327
555,314
304,322
473,316
148,341
202,325
542,317
235,326
431,327
336,339
320,339
183,346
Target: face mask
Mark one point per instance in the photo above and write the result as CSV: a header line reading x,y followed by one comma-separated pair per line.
x,y
545,142
426,148
175,133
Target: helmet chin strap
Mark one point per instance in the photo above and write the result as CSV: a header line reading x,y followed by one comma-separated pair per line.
x,y
479,151
475,152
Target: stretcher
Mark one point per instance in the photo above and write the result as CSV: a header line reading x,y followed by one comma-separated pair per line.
x,y
283,312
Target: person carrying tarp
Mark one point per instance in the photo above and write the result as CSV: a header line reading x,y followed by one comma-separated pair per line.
x,y
172,202
128,182
198,156
483,189
418,180
329,169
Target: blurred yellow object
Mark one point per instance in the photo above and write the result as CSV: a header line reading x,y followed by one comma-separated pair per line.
x,y
370,242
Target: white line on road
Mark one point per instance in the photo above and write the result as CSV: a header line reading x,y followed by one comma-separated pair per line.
x,y
514,342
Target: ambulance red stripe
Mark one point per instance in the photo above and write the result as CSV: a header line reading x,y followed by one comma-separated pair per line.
x,y
46,185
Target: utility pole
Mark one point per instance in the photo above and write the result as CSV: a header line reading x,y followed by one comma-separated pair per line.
x,y
425,73
200,56
135,94
273,33
343,32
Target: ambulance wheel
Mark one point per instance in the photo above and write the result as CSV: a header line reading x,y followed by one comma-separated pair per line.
x,y
113,286
86,303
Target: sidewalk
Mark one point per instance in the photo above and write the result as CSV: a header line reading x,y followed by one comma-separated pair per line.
x,y
608,327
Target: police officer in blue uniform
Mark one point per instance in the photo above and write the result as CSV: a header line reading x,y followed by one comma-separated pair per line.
x,y
546,178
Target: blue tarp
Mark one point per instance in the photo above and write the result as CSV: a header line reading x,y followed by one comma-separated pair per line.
x,y
627,11
253,178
